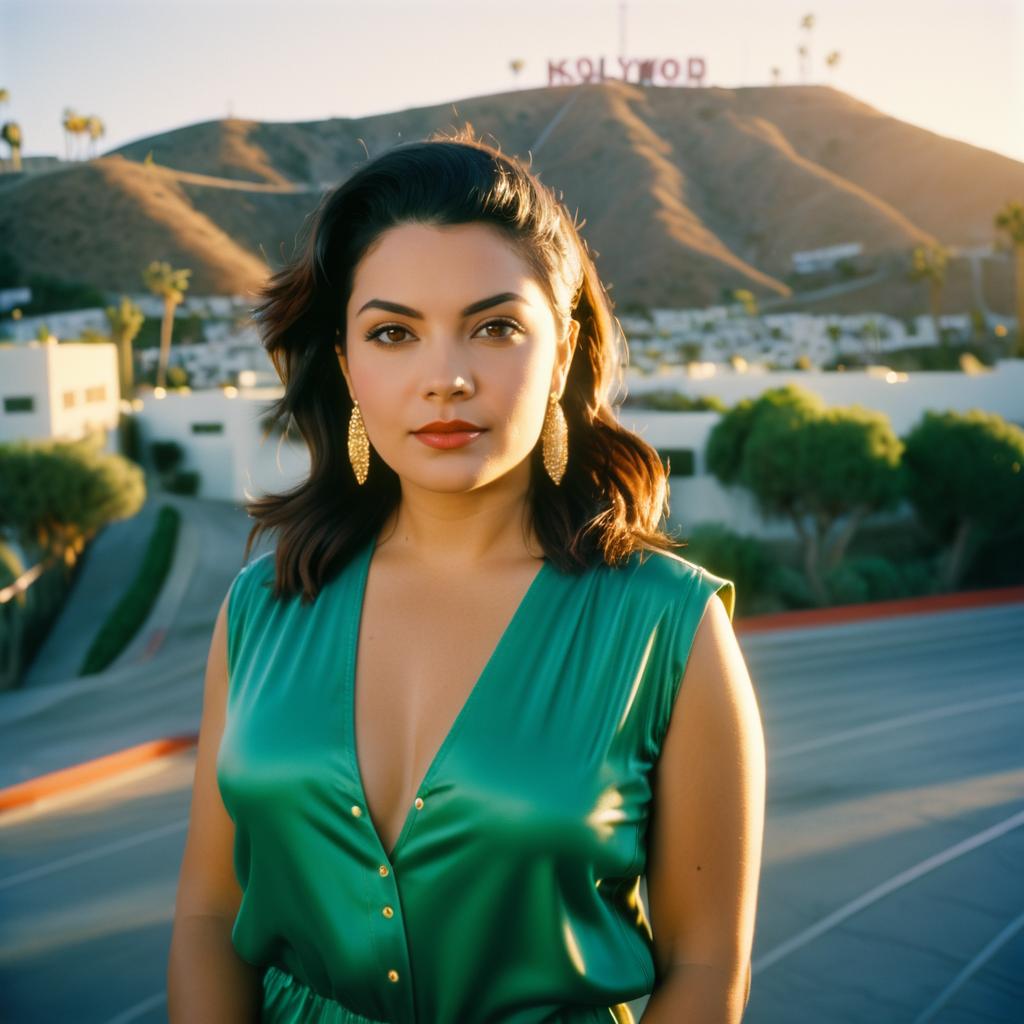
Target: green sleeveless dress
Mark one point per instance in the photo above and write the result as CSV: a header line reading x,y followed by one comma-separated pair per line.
x,y
512,893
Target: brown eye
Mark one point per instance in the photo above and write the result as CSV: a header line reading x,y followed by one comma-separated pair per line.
x,y
514,327
386,329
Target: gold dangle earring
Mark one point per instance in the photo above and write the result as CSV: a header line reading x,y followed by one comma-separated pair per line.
x,y
358,444
555,436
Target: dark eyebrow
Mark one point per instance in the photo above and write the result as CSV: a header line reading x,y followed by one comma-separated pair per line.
x,y
473,307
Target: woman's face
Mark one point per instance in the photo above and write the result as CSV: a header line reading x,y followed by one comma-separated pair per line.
x,y
421,347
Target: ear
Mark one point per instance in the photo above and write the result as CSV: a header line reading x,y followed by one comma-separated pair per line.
x,y
343,363
566,350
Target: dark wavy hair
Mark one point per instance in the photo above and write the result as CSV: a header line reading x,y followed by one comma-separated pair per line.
x,y
614,492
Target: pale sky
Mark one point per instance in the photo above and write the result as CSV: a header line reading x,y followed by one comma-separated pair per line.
x,y
955,67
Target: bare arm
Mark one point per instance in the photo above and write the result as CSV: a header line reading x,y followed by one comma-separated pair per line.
x,y
207,981
706,834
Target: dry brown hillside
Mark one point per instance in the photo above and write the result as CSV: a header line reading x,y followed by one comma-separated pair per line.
x,y
684,192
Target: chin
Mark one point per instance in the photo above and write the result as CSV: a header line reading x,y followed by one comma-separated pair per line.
x,y
453,479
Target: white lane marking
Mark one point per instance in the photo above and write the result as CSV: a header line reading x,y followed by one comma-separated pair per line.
x,y
891,885
840,737
899,722
986,954
84,856
139,1009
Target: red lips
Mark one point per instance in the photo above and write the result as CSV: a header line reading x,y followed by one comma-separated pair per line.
x,y
446,427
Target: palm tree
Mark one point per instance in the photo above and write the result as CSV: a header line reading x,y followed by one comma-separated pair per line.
x,y
67,119
832,60
74,124
807,24
125,321
776,75
1011,220
516,66
80,127
162,279
96,128
928,263
11,134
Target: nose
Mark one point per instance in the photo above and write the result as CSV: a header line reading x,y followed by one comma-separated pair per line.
x,y
445,379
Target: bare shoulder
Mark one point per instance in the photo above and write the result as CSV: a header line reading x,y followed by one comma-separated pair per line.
x,y
708,818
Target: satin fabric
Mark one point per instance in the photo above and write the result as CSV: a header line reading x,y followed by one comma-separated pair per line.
x,y
512,893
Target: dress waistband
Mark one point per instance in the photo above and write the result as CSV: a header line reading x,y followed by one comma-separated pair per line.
x,y
286,1000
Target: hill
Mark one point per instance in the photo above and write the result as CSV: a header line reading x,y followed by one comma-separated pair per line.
x,y
684,192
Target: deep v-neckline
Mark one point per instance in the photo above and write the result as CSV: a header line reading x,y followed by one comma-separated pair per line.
x,y
354,607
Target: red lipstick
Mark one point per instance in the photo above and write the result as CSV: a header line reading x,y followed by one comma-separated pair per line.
x,y
448,433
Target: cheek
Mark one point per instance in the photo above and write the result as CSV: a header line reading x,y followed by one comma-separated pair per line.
x,y
374,381
525,402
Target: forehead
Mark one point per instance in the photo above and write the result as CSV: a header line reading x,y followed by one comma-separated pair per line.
x,y
420,263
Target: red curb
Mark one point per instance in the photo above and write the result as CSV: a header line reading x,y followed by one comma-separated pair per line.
x,y
113,764
879,609
99,768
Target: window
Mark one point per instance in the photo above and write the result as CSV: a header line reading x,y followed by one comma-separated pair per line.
x,y
19,403
69,399
96,394
680,460
207,428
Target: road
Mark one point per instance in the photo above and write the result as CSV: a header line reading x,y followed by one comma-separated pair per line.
x,y
891,888
155,687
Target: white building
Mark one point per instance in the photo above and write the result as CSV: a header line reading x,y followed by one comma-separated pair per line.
x,y
231,356
63,390
903,397
51,390
220,431
11,298
811,260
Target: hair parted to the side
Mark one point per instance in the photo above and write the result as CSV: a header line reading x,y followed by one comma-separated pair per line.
x,y
614,493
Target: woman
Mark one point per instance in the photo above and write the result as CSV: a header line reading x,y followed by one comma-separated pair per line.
x,y
441,743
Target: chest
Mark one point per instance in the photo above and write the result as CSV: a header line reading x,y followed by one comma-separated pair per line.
x,y
423,646
523,712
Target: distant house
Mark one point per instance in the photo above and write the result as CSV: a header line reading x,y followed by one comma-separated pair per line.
x,y
812,261
58,390
11,298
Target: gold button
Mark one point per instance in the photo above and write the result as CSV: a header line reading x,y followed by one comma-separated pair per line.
x,y
383,869
392,975
388,912
356,811
419,803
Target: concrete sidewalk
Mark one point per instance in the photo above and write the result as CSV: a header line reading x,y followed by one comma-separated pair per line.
x,y
102,576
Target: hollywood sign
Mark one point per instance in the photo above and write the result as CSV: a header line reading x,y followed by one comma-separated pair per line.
x,y
668,71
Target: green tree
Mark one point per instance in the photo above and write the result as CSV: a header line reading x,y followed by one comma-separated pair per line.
x,y
965,479
1011,220
125,321
170,284
823,468
55,495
